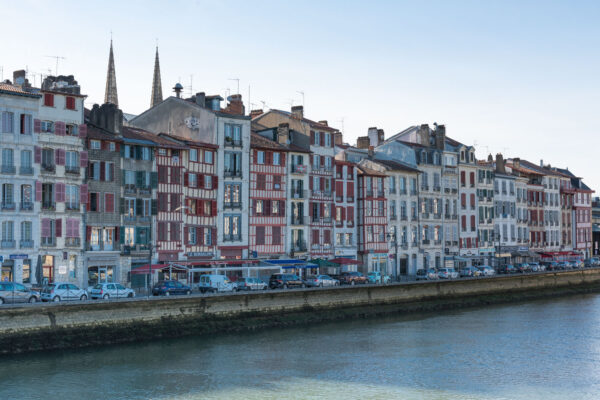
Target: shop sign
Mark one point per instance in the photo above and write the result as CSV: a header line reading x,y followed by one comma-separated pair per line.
x,y
199,254
18,256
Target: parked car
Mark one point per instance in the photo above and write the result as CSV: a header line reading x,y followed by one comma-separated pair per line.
x,y
535,267
447,273
469,272
377,277
507,269
250,284
352,278
421,275
285,281
427,274
552,266
214,283
110,291
321,280
486,270
563,265
590,262
523,268
432,274
168,288
12,292
60,291
577,263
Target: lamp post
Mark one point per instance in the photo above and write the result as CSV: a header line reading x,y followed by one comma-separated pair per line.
x,y
394,237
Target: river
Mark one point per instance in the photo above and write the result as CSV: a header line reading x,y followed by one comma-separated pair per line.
x,y
538,350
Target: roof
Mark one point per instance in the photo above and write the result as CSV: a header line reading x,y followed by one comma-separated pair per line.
x,y
150,138
7,88
94,132
258,141
312,123
368,171
63,93
187,141
396,166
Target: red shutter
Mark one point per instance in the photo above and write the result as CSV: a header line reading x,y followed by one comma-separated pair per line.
x,y
312,137
282,208
200,180
322,186
38,191
102,170
83,159
310,209
186,179
282,159
37,157
350,214
82,130
462,177
214,236
215,182
343,213
37,126
58,227
350,189
322,210
310,182
472,200
332,140
186,235
472,178
57,157
463,200
214,207
322,139
88,233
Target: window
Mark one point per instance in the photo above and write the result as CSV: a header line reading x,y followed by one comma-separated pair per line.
x,y
7,159
232,227
233,164
112,146
48,100
194,158
276,159
191,235
260,157
72,161
25,160
7,196
129,236
317,138
71,130
7,122
47,126
25,124
130,207
26,231
8,231
72,197
146,153
193,180
129,178
96,145
70,103
233,135
327,139
208,157
232,194
146,207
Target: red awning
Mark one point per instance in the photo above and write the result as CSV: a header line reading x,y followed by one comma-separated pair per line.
x,y
345,261
146,269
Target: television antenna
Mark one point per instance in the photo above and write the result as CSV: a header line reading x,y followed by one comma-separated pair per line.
x,y
302,93
238,83
57,59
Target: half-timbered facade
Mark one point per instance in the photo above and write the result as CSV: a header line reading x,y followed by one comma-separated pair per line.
x,y
60,188
372,220
268,187
345,206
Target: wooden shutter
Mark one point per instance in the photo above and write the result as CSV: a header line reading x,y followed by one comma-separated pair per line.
x,y
312,137
213,236
213,207
37,126
83,194
83,159
38,191
282,208
37,155
58,227
186,179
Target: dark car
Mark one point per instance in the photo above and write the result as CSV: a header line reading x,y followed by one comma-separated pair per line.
x,y
285,281
507,269
168,288
352,278
522,268
552,266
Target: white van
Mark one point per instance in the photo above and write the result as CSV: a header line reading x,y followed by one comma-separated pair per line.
x,y
215,283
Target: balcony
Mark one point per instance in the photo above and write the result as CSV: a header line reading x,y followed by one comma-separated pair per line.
x,y
48,205
130,189
437,216
9,169
404,246
8,206
426,241
72,170
298,220
48,167
232,238
446,190
424,187
72,242
232,173
299,169
437,188
438,242
425,215
48,242
231,142
393,217
144,219
134,249
8,244
298,194
26,244
129,219
26,170
403,217
72,207
232,204
100,247
146,190
298,246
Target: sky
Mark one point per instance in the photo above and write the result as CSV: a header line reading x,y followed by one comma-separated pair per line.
x,y
516,77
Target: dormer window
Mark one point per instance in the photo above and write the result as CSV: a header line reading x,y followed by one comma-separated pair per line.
x,y
472,157
423,156
462,155
216,105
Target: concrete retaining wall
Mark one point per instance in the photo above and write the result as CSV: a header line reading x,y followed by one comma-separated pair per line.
x,y
54,326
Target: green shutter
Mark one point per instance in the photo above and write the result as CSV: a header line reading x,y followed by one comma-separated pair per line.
x,y
122,205
139,179
122,235
154,207
139,207
154,180
123,176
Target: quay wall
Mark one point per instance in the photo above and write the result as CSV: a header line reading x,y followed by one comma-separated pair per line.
x,y
70,325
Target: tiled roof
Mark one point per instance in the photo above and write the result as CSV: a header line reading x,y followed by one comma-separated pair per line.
x,y
140,134
100,134
17,90
396,166
303,119
368,171
262,142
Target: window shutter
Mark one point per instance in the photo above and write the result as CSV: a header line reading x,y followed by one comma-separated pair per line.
x,y
83,194
83,159
282,208
213,236
282,159
322,139
83,131
58,227
139,206
186,179
310,182
139,179
88,233
322,186
154,180
112,172
57,157
215,182
121,205
214,208
312,137
59,128
310,209
186,240
343,212
350,214
200,180
37,155
60,192
154,206
37,126
199,207
102,171
38,191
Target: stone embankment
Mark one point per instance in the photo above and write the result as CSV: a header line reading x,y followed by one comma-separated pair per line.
x,y
55,326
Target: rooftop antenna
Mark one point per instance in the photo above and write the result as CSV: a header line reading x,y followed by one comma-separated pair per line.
x,y
290,102
264,104
57,59
238,83
341,121
191,87
302,93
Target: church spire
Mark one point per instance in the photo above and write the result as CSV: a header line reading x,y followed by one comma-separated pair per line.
x,y
110,95
156,83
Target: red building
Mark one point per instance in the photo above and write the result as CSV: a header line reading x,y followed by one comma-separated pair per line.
x,y
372,220
267,197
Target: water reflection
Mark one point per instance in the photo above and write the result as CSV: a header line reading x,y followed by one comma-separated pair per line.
x,y
544,349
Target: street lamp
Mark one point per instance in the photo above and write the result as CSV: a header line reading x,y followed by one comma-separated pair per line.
x,y
394,237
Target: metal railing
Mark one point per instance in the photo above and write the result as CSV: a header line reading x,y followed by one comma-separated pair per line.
x,y
25,170
72,242
26,244
8,169
8,244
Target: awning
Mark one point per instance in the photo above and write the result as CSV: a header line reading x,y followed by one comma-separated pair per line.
x,y
322,263
288,264
345,261
147,269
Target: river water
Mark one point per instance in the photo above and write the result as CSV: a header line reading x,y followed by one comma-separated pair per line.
x,y
539,350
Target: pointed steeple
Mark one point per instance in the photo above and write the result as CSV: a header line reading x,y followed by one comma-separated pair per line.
x,y
156,83
110,94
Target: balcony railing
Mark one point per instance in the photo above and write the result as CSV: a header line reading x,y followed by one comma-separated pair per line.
x,y
135,248
70,169
232,204
380,193
48,205
350,199
8,169
47,167
403,217
25,170
8,206
72,207
393,217
298,194
298,245
230,173
437,188
232,238
369,193
129,218
26,244
8,244
48,242
145,190
231,142
130,189
298,169
143,219
72,242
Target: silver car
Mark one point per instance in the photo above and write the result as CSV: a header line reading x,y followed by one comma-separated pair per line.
x,y
110,291
447,273
250,284
321,280
486,270
12,292
61,291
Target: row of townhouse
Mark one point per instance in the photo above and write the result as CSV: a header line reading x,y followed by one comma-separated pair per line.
x,y
90,195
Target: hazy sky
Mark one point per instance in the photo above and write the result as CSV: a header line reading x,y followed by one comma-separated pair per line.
x,y
518,77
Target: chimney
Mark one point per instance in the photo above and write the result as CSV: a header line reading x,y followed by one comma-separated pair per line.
x,y
371,151
338,138
542,163
298,112
19,77
516,162
440,137
380,136
108,117
500,164
490,158
283,133
236,105
423,134
323,122
256,113
201,99
362,142
178,88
